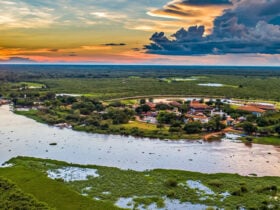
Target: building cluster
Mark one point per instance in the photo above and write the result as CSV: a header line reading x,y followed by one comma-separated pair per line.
x,y
201,112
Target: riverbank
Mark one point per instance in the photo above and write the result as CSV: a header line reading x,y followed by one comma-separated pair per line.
x,y
131,189
132,128
25,137
146,130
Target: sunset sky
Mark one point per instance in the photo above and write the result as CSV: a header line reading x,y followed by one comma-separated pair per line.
x,y
181,32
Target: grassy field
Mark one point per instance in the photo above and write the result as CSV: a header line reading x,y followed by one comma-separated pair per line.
x,y
236,87
33,114
271,140
55,194
142,125
32,84
145,187
12,197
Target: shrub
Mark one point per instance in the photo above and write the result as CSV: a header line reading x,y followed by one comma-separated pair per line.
x,y
236,192
243,189
170,194
215,183
171,182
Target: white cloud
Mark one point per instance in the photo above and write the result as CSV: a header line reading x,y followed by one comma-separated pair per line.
x,y
19,14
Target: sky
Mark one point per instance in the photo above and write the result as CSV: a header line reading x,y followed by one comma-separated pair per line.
x,y
166,32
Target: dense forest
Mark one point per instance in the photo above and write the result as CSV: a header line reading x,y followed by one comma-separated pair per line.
x,y
109,82
26,72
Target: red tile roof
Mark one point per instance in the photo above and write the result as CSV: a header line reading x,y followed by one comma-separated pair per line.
x,y
264,107
249,108
175,103
197,105
151,105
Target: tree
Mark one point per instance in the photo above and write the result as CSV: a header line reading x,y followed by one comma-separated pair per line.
x,y
143,108
210,102
116,104
215,124
262,122
218,103
119,116
162,107
166,118
249,127
277,129
50,96
175,127
184,108
142,101
193,127
201,100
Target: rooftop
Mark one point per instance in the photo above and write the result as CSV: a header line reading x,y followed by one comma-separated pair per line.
x,y
249,108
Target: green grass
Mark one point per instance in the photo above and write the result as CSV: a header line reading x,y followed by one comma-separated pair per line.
x,y
147,187
271,140
129,102
12,197
56,194
33,114
32,84
142,125
104,88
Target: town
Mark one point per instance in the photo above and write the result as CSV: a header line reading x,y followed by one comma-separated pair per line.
x,y
190,117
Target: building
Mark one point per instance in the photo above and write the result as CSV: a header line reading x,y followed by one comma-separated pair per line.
x,y
175,104
220,113
151,105
230,121
252,109
196,107
200,117
266,107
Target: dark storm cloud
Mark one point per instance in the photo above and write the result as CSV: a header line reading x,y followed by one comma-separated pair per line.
x,y
17,60
136,49
114,44
248,27
72,54
53,50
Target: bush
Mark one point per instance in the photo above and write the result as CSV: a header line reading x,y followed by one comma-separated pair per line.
x,y
236,192
244,189
171,182
170,194
215,183
193,127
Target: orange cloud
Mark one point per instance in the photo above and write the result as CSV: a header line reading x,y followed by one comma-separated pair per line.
x,y
190,14
96,47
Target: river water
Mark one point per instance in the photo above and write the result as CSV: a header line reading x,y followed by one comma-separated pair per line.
x,y
20,136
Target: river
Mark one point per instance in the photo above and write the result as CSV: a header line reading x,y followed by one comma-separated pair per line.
x,y
20,136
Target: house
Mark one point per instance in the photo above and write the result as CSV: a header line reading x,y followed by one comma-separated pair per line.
x,y
175,104
229,121
196,107
266,107
252,109
149,114
242,119
151,105
151,120
197,117
220,113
